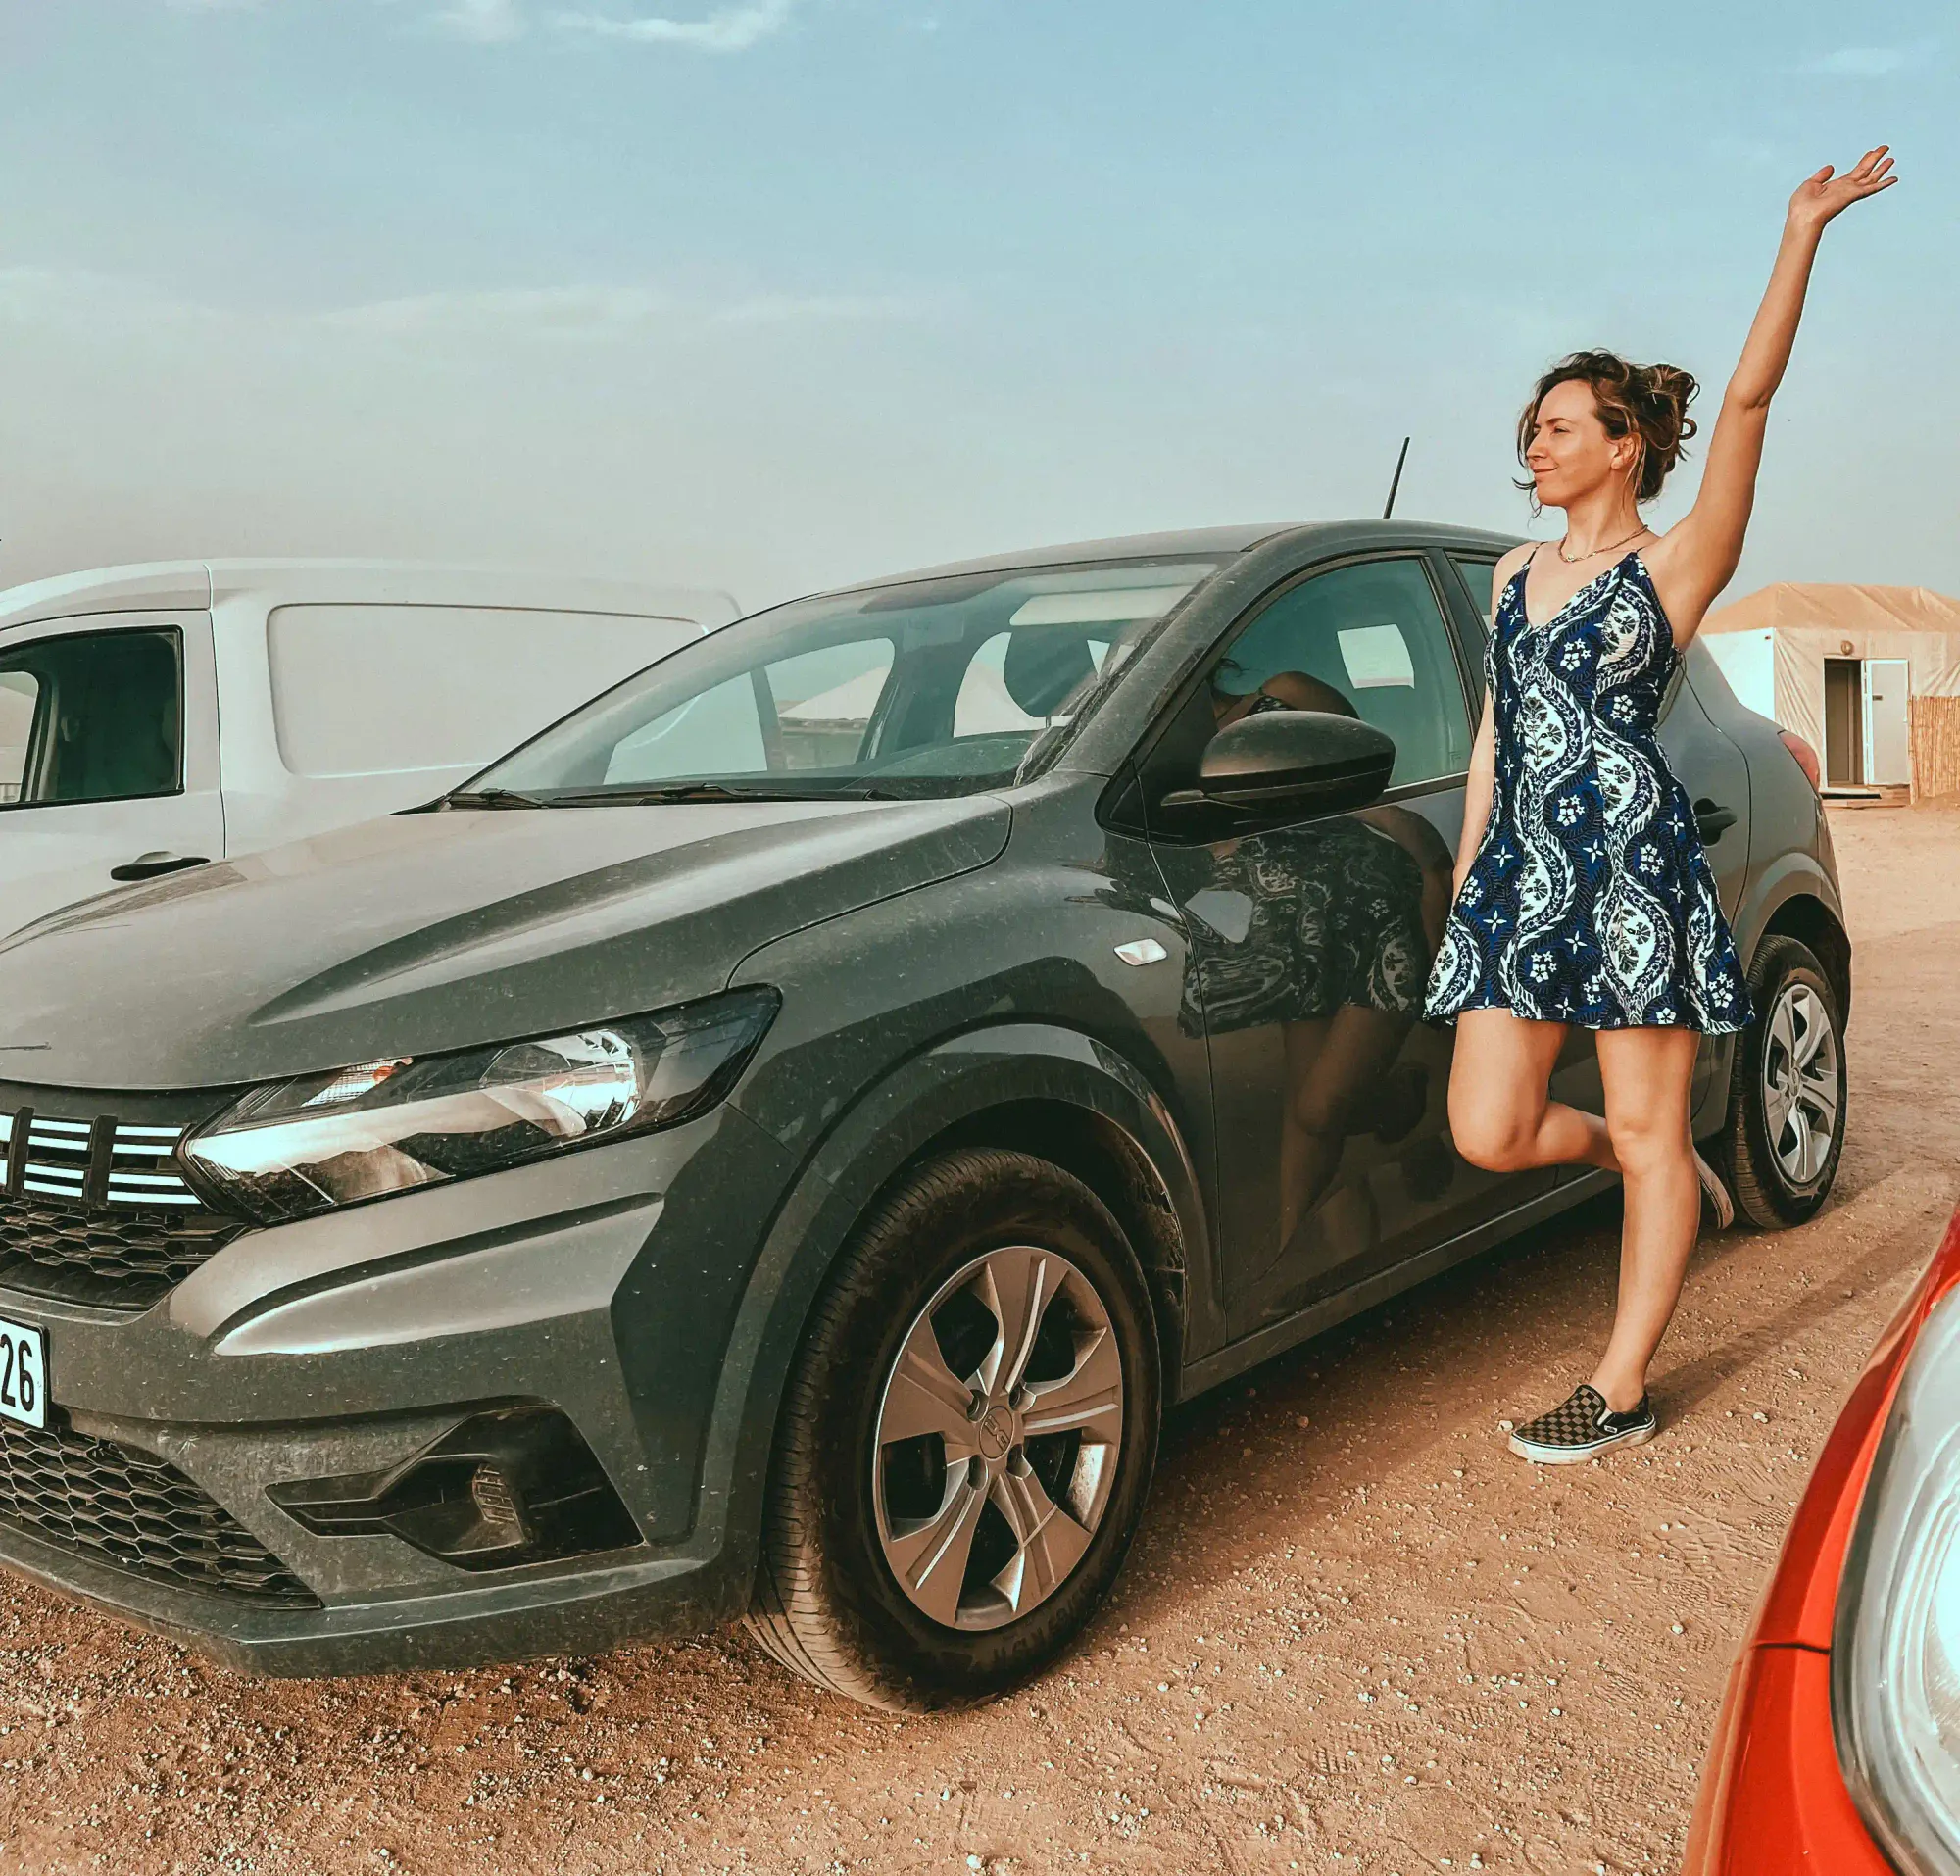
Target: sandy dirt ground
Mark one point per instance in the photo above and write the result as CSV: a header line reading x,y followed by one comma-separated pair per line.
x,y
1356,1635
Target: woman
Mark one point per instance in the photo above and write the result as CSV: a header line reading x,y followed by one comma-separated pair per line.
x,y
1583,896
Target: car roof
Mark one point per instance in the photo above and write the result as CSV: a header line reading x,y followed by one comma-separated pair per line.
x,y
197,585
1199,543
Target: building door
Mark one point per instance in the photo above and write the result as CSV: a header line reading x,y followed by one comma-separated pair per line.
x,y
1843,724
1888,732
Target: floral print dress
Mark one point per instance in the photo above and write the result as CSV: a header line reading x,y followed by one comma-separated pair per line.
x,y
1590,901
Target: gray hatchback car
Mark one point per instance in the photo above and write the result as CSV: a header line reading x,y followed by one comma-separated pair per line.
x,y
776,1144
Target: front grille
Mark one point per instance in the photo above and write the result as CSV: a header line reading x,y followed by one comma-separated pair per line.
x,y
96,1212
134,1510
93,1162
112,1260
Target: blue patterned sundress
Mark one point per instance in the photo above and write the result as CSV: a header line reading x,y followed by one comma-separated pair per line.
x,y
1590,901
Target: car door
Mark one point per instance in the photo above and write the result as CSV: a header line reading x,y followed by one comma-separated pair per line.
x,y
1312,942
108,757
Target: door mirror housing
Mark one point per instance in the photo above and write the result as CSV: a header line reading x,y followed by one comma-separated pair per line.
x,y
1289,765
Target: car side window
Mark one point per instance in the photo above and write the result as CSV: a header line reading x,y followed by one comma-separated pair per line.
x,y
1478,576
92,716
1374,635
19,692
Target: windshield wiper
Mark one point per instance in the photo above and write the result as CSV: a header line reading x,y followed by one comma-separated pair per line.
x,y
710,791
492,798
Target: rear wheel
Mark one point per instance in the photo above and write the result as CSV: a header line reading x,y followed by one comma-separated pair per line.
x,y
966,1442
1785,1124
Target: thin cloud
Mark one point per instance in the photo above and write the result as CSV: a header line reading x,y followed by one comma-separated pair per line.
x,y
482,22
575,313
814,308
75,300
726,29
1865,62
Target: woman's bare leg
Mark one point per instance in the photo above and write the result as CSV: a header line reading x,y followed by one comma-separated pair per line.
x,y
1500,1115
1646,1074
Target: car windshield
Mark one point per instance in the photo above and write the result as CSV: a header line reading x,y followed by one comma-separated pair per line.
x,y
931,687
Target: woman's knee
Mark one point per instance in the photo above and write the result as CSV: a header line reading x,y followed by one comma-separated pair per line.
x,y
1643,1143
1497,1135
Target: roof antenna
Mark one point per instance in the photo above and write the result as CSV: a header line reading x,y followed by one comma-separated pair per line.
x,y
1390,509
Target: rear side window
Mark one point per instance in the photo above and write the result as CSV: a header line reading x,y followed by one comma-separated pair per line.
x,y
370,690
92,716
1478,576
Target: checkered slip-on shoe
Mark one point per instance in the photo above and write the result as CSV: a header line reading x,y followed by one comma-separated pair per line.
x,y
1582,1428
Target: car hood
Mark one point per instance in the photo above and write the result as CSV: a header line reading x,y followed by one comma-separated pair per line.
x,y
430,931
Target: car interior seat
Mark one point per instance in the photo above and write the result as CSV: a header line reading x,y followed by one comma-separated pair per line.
x,y
1045,667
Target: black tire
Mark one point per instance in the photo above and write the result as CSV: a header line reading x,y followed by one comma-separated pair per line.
x,y
828,1602
1757,1150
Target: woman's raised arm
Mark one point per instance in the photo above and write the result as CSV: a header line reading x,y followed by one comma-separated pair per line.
x,y
1697,556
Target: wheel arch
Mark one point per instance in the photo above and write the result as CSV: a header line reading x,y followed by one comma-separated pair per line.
x,y
1810,922
1795,896
1109,1159
1031,1087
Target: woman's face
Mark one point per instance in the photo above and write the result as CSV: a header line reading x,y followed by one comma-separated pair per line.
x,y
1570,454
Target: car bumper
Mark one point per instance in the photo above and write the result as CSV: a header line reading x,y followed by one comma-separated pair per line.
x,y
1773,1799
601,1285
1773,1796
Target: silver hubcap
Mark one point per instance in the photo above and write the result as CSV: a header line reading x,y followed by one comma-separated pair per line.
x,y
1800,1083
998,1437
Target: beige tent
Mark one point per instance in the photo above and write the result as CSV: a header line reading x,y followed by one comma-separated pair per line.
x,y
1868,675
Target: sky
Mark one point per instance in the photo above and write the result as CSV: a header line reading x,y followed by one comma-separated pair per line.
x,y
776,294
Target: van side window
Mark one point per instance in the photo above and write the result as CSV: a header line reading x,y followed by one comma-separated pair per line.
x,y
92,716
18,693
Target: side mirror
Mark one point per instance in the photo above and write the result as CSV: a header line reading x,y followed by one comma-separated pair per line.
x,y
1286,765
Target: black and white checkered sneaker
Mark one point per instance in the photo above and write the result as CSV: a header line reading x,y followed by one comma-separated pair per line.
x,y
1581,1428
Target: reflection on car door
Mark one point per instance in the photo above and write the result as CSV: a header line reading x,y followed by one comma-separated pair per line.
x,y
1310,946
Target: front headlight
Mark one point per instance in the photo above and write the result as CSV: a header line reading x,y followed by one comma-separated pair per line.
x,y
325,1140
1895,1649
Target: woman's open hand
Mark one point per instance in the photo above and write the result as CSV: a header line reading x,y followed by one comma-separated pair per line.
x,y
1821,196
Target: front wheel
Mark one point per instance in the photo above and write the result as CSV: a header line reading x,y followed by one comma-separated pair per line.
x,y
1785,1124
966,1442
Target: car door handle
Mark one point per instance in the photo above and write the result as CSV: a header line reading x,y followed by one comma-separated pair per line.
x,y
1710,819
151,865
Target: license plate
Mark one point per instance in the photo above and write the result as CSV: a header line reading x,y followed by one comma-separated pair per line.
x,y
24,1369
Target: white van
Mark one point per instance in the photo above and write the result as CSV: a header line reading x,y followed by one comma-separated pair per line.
x,y
156,717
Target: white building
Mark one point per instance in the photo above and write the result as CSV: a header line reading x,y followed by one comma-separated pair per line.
x,y
1868,675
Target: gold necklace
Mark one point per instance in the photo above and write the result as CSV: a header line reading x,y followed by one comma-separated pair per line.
x,y
1572,559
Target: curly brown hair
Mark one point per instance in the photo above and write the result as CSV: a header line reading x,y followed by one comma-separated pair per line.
x,y
1647,402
